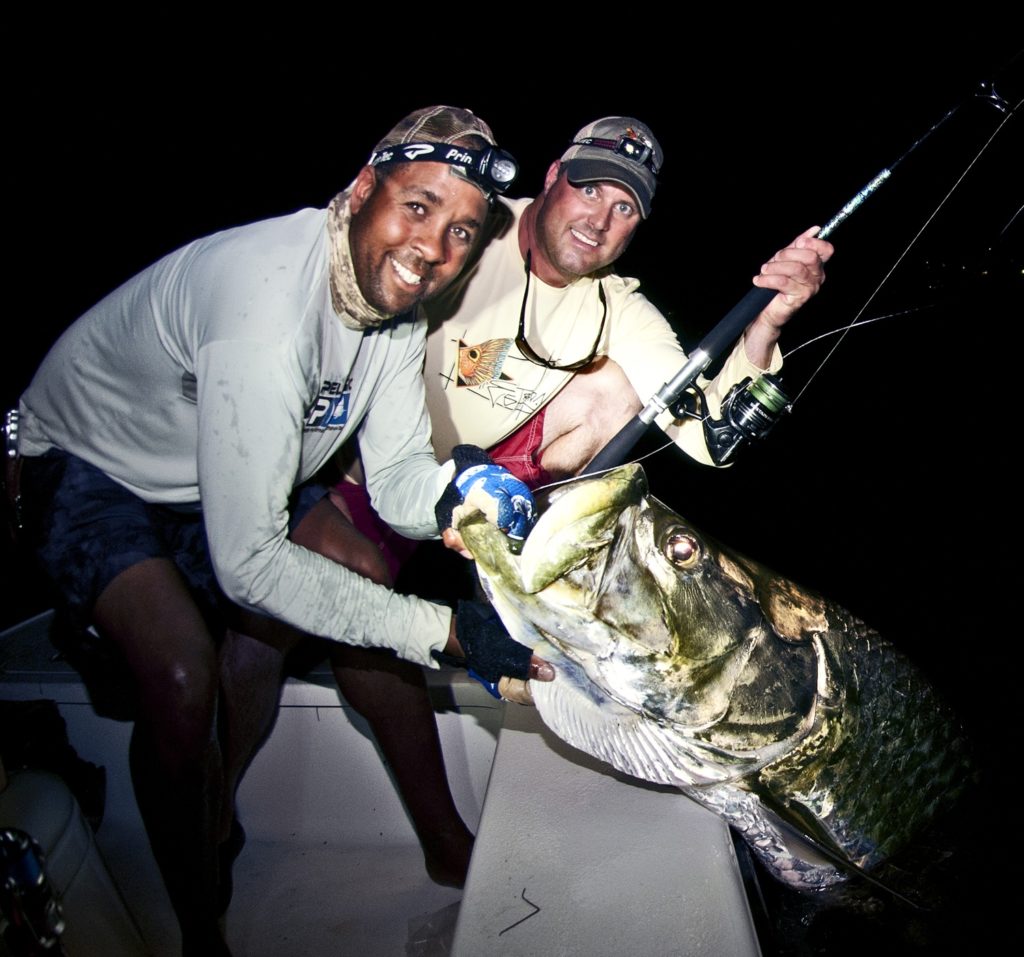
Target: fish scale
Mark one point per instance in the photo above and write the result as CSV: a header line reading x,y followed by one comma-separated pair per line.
x,y
899,759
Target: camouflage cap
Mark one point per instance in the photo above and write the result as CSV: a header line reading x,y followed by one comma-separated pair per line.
x,y
441,134
436,124
618,149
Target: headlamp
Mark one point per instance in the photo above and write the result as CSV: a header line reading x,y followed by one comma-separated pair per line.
x,y
492,169
632,148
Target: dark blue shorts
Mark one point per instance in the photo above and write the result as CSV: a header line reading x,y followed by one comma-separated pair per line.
x,y
85,529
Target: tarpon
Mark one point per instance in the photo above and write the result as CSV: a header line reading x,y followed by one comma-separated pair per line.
x,y
683,663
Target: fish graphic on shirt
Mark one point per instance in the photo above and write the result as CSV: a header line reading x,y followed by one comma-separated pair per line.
x,y
482,362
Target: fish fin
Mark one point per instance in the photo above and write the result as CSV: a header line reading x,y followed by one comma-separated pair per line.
x,y
796,865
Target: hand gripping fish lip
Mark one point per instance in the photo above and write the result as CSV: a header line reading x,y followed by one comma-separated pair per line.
x,y
683,663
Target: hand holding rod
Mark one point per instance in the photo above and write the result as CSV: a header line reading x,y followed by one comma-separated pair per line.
x,y
732,325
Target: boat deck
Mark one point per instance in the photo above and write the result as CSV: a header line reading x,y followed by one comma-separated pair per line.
x,y
595,862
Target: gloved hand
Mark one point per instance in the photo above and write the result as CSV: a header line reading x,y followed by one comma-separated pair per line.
x,y
489,651
504,500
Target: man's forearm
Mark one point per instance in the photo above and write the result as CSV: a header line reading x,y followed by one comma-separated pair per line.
x,y
759,342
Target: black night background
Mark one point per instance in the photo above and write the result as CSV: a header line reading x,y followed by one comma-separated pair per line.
x,y
890,486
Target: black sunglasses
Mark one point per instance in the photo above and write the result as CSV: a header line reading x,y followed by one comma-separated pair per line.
x,y
527,350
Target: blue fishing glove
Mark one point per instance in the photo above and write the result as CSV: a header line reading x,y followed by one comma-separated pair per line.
x,y
504,500
490,652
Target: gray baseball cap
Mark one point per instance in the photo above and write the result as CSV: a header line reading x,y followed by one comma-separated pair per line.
x,y
617,149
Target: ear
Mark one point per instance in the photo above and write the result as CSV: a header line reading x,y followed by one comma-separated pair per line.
x,y
362,188
553,170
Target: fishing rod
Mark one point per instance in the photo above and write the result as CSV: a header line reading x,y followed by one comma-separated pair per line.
x,y
750,412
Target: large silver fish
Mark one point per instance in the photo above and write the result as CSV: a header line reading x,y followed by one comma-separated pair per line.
x,y
682,663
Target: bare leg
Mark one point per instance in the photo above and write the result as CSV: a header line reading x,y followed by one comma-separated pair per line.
x,y
584,416
391,695
252,665
175,760
250,690
250,681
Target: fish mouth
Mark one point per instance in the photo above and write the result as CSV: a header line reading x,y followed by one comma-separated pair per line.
x,y
552,589
577,521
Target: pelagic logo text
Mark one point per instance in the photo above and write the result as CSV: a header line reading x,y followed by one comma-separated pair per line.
x,y
330,411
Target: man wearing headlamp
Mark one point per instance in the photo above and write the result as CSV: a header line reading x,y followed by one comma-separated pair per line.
x,y
166,444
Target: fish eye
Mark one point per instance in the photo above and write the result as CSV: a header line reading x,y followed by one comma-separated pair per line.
x,y
681,549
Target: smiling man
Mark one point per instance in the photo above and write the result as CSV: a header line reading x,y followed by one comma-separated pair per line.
x,y
540,352
396,271
167,445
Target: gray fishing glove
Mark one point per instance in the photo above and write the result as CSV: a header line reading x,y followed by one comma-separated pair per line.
x,y
490,652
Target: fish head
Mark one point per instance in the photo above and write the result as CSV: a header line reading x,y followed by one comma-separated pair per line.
x,y
654,614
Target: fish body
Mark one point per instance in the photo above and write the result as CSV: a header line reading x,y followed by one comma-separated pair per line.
x,y
683,663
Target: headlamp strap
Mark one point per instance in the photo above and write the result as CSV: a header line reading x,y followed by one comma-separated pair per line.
x,y
492,168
